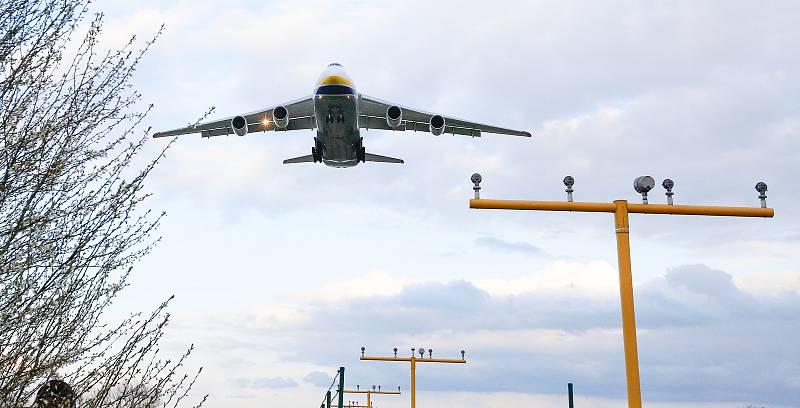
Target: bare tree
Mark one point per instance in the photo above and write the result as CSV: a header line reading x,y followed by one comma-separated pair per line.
x,y
72,216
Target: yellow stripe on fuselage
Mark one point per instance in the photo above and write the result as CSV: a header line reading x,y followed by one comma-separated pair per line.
x,y
335,80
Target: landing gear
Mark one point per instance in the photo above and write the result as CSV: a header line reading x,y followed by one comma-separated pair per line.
x,y
316,151
361,152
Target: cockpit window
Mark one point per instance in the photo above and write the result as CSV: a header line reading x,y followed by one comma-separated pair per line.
x,y
334,64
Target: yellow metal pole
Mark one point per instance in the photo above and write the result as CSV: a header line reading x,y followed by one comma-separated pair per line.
x,y
413,360
621,209
413,382
626,300
369,399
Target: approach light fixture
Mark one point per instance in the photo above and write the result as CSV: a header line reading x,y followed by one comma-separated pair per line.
x,y
643,185
476,179
668,184
413,362
761,187
621,210
569,181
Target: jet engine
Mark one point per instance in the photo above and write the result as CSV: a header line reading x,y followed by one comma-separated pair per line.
x,y
239,125
281,117
437,125
394,115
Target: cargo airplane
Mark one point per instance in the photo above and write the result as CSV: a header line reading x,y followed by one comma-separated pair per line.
x,y
338,113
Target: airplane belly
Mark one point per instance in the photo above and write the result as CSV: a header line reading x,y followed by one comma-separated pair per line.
x,y
337,128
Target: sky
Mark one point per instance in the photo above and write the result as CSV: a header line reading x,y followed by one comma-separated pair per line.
x,y
282,273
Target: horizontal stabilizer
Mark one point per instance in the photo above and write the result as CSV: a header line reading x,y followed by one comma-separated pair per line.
x,y
301,159
382,159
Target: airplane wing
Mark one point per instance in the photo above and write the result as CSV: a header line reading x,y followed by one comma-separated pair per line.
x,y
381,159
372,115
300,112
302,159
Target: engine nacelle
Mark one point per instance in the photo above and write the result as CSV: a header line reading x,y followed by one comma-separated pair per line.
x,y
239,125
437,125
394,115
280,116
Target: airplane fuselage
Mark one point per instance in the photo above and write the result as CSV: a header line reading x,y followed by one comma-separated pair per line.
x,y
336,112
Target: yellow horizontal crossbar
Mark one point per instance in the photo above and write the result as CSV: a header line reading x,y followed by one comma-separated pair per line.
x,y
541,205
611,207
701,210
371,392
418,360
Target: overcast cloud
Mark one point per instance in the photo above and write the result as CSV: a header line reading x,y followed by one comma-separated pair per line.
x,y
283,272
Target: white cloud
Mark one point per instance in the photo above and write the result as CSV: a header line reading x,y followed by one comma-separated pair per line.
x,y
260,383
593,279
531,335
373,284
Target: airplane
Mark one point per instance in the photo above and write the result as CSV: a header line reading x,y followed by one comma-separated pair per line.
x,y
338,113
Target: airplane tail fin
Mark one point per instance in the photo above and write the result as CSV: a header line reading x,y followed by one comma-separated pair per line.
x,y
302,159
382,159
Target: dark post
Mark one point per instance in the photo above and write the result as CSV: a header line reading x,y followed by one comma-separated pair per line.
x,y
328,399
341,387
56,394
569,391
